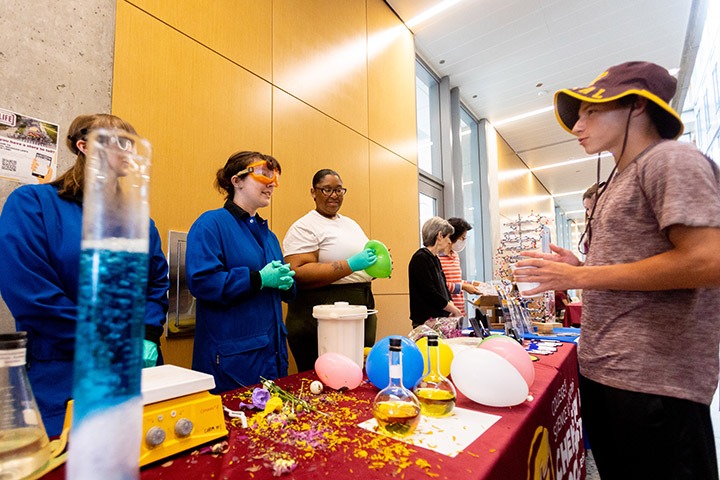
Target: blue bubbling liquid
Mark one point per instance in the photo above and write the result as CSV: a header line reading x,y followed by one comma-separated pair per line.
x,y
110,328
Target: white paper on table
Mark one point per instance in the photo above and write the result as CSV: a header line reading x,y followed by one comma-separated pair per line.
x,y
447,435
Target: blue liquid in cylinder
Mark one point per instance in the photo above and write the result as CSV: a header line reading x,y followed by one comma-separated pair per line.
x,y
110,329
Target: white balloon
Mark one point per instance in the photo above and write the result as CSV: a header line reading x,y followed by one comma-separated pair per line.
x,y
487,378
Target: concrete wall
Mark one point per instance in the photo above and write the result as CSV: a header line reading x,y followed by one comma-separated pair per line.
x,y
56,62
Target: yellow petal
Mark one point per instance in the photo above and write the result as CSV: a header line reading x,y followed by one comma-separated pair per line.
x,y
272,405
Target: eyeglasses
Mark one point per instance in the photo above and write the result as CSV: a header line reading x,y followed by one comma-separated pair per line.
x,y
123,143
262,172
327,191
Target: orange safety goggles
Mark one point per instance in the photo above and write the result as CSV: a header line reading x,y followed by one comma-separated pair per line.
x,y
262,172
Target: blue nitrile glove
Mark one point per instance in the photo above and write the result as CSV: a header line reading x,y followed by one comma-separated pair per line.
x,y
362,260
276,275
150,353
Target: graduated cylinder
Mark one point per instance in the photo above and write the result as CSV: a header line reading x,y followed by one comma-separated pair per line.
x,y
107,411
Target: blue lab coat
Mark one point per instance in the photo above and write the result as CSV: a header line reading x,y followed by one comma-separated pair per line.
x,y
239,332
40,235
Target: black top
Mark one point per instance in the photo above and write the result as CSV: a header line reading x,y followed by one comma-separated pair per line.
x,y
428,288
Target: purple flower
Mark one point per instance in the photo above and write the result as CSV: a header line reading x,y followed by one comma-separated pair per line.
x,y
260,397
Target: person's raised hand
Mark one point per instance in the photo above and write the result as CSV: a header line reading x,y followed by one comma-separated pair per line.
x,y
558,254
470,288
362,260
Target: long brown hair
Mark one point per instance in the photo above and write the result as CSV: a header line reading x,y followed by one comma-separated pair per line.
x,y
72,181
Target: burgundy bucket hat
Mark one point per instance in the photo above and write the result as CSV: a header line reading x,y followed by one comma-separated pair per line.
x,y
632,78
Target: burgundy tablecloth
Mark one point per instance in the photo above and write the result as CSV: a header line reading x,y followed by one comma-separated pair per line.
x,y
541,438
573,314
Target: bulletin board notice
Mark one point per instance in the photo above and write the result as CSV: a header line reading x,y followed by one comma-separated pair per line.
x,y
28,148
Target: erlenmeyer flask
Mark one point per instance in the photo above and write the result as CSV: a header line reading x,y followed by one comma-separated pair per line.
x,y
24,445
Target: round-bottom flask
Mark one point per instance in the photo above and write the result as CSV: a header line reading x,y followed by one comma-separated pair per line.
x,y
436,393
395,408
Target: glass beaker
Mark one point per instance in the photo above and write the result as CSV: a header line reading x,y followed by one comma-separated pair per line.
x,y
24,444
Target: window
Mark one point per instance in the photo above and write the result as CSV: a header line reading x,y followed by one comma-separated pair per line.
x,y
428,121
706,107
430,200
430,175
716,87
698,123
472,211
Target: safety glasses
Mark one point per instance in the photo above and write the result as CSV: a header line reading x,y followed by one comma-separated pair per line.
x,y
118,142
261,172
123,143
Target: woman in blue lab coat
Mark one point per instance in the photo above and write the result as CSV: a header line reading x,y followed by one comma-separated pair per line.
x,y
40,234
234,268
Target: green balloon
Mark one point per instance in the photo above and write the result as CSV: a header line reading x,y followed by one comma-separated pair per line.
x,y
383,267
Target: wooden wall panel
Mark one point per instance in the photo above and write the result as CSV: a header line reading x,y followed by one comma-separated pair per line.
x,y
394,213
391,103
240,30
393,315
179,79
320,56
196,108
519,192
304,141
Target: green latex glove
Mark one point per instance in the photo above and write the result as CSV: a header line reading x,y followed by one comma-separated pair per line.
x,y
362,260
150,353
277,275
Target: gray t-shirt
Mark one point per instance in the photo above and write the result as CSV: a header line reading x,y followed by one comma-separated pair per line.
x,y
660,342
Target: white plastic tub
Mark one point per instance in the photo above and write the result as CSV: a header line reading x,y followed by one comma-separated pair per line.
x,y
341,329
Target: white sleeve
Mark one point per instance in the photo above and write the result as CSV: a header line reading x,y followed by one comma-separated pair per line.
x,y
300,238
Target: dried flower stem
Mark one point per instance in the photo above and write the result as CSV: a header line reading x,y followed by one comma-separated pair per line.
x,y
286,396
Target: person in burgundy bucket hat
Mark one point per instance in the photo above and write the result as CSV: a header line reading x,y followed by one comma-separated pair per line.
x,y
633,78
648,352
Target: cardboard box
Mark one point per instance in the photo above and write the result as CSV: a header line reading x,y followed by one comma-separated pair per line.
x,y
487,300
546,328
486,304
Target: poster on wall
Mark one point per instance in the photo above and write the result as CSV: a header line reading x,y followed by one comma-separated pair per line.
x,y
28,148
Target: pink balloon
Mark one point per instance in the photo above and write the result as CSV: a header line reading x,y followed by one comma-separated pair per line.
x,y
513,352
338,371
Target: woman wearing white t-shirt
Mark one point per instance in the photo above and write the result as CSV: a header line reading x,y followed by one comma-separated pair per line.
x,y
327,252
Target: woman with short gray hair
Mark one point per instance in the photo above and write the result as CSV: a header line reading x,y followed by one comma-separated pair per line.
x,y
429,295
434,226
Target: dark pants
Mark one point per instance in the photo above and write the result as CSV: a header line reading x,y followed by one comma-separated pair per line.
x,y
643,436
302,326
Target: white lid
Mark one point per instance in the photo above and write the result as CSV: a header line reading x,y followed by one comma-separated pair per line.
x,y
170,381
340,310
